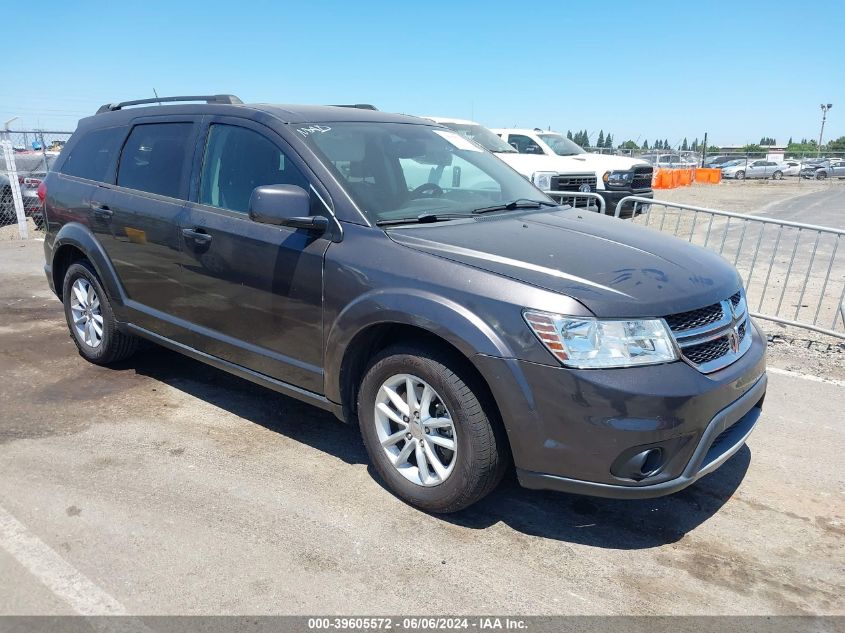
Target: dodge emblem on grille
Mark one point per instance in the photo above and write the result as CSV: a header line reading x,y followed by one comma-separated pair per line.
x,y
734,340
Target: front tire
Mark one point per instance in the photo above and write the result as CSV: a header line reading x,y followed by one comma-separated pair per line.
x,y
90,318
778,175
426,431
740,175
820,175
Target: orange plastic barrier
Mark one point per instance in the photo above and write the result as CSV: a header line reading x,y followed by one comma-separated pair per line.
x,y
684,177
676,177
708,176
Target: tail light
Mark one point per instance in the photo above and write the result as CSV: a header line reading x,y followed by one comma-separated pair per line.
x,y
29,183
42,190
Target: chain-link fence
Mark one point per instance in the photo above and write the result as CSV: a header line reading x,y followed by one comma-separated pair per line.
x,y
25,158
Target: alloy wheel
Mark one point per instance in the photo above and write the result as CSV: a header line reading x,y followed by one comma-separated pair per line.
x,y
86,313
416,430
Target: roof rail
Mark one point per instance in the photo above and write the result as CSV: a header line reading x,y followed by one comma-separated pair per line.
x,y
360,106
230,99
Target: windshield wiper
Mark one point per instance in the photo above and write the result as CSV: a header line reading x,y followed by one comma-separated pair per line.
x,y
422,218
519,203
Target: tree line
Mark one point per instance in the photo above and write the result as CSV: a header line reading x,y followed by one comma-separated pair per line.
x,y
804,146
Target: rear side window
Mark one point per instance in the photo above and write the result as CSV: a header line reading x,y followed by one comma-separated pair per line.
x,y
238,160
94,155
153,158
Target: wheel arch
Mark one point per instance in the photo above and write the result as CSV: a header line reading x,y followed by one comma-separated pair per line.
x,y
75,241
377,321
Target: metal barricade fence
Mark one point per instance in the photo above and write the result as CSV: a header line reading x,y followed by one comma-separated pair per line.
x,y
591,201
25,158
794,273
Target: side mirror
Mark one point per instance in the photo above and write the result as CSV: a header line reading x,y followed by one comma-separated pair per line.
x,y
285,205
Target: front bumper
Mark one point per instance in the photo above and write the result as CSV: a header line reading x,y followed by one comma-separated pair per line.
x,y
569,428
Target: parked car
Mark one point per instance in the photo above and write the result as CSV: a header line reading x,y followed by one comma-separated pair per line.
x,y
791,167
719,161
31,168
754,169
460,328
616,177
833,168
667,161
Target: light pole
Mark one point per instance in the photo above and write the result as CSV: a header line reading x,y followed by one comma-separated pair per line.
x,y
825,107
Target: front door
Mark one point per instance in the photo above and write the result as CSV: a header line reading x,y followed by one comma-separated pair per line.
x,y
253,291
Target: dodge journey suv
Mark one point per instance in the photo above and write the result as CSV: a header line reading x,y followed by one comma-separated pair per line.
x,y
389,270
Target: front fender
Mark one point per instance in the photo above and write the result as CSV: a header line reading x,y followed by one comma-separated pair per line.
x,y
80,236
442,317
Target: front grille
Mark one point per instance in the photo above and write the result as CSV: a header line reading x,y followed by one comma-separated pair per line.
x,y
565,182
707,352
684,321
642,178
714,336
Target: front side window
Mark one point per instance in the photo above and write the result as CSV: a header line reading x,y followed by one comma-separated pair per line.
x,y
94,156
561,145
237,160
153,159
397,171
525,144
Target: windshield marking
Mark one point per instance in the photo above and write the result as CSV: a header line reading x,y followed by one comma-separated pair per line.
x,y
305,131
468,252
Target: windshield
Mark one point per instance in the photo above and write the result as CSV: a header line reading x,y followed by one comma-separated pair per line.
x,y
561,145
397,170
481,135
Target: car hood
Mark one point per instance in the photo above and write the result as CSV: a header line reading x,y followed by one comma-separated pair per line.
x,y
613,267
596,164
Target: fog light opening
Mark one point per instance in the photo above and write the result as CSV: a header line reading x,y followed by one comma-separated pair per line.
x,y
652,461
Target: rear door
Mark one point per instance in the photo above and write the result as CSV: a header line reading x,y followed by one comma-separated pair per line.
x,y
253,292
138,218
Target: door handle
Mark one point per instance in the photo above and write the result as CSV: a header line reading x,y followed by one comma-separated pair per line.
x,y
102,211
197,236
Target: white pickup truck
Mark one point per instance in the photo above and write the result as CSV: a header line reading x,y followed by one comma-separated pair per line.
x,y
616,176
578,178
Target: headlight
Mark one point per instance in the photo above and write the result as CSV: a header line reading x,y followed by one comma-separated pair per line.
x,y
588,343
543,179
618,178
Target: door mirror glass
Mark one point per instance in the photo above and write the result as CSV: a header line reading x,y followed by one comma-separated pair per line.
x,y
285,205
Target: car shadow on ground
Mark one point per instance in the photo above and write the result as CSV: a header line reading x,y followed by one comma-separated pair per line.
x,y
592,521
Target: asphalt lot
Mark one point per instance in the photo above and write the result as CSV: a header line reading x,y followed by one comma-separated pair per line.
x,y
162,486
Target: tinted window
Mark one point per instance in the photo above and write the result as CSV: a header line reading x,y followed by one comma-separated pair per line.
x,y
94,155
153,158
521,142
237,160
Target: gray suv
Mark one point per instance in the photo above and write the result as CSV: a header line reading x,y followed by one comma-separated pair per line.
x,y
386,269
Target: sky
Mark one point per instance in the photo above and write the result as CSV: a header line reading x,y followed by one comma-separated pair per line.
x,y
640,70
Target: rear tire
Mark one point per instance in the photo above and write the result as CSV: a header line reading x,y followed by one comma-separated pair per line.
x,y
778,175
90,318
465,473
